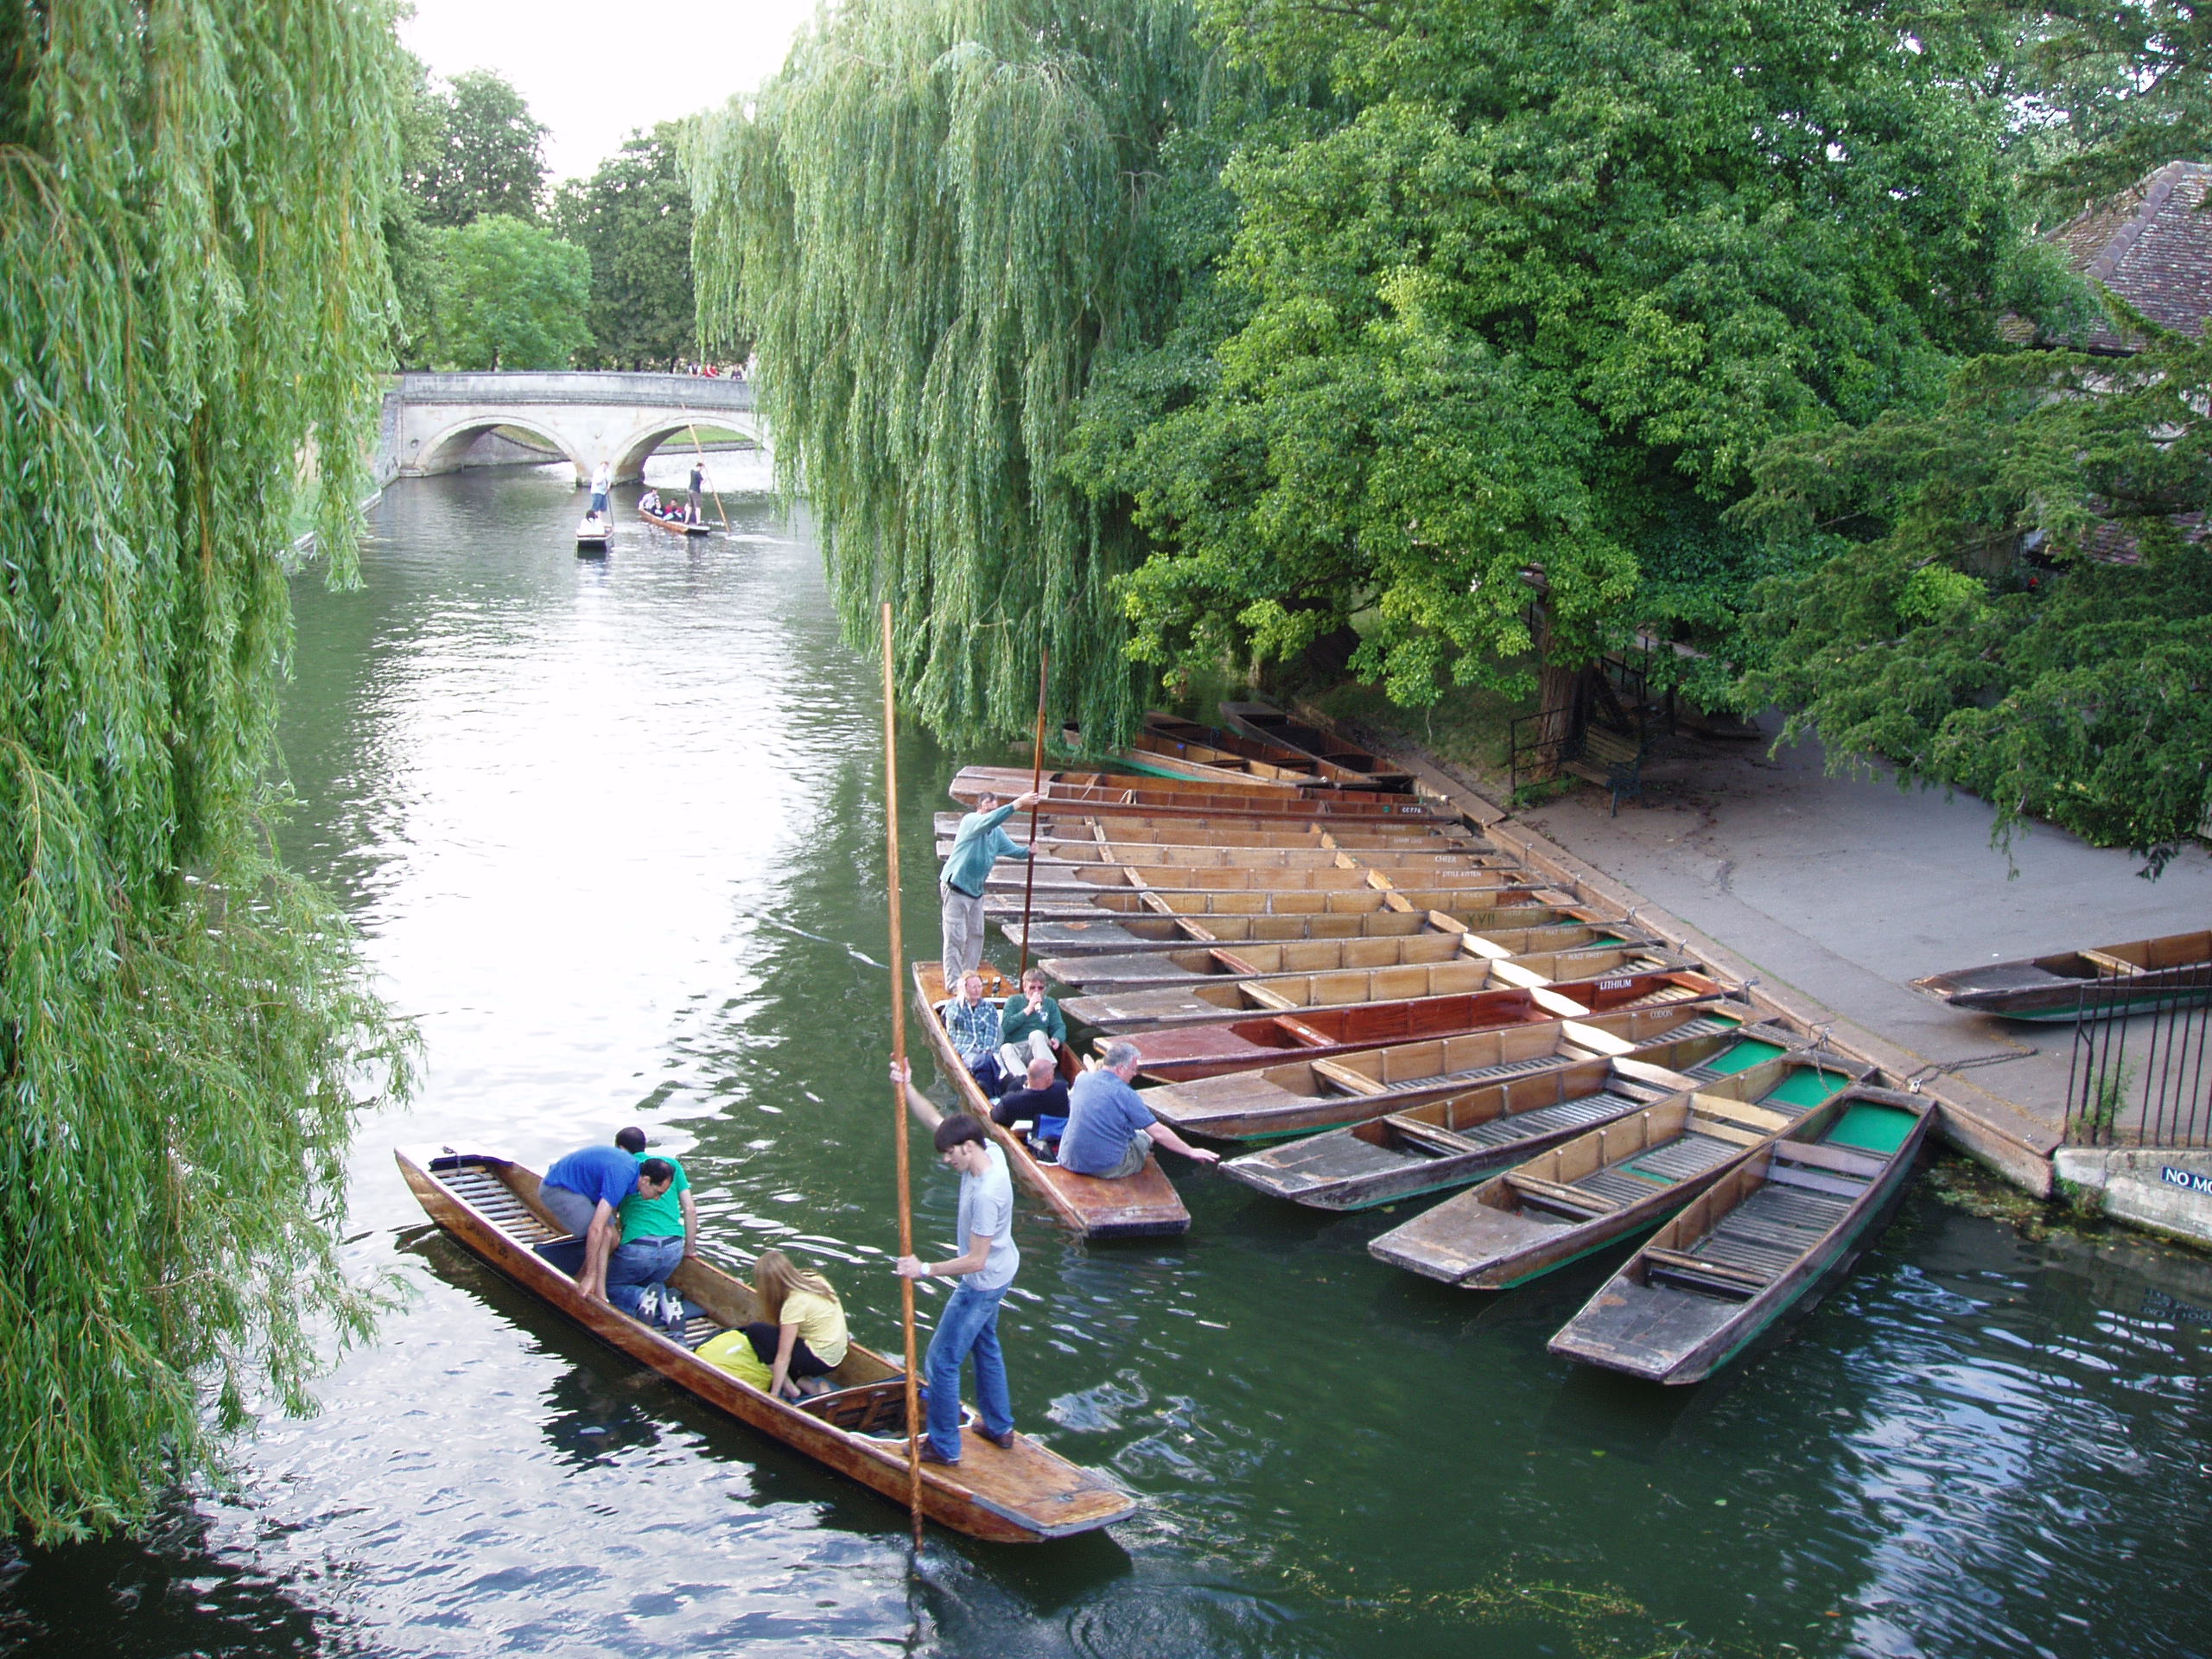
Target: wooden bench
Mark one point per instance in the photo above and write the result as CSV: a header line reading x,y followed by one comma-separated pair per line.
x,y
1612,759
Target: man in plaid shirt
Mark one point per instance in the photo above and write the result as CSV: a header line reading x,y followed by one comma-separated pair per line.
x,y
971,1019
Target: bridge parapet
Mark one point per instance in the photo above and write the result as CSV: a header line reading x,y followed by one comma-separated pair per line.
x,y
431,420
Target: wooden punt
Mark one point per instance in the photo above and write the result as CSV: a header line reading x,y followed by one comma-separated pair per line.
x,y
1070,890
1188,830
1166,757
1143,970
671,521
490,1203
1182,1053
1142,1205
1620,1177
1268,724
1458,1139
1174,798
1495,888
1175,729
1778,1225
1437,854
1300,1096
2100,983
1124,935
1457,971
594,530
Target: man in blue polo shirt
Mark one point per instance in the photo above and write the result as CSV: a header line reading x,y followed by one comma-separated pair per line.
x,y
583,1190
1110,1130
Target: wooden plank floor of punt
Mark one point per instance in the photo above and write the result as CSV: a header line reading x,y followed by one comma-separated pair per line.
x,y
1233,866
1459,972
1262,891
1624,1176
1493,888
1142,1205
1302,1095
1779,1223
1166,798
1183,829
1022,1495
1193,965
1168,932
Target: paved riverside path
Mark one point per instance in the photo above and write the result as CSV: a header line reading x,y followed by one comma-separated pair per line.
x,y
1846,887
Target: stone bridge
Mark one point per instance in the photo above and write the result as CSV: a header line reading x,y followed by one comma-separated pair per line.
x,y
432,422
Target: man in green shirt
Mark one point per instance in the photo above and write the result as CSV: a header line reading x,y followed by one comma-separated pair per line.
x,y
660,1227
1031,1026
978,844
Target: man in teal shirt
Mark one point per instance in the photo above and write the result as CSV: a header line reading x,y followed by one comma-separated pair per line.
x,y
660,1227
978,844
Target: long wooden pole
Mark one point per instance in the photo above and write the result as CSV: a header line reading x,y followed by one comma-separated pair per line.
x,y
1036,786
898,1090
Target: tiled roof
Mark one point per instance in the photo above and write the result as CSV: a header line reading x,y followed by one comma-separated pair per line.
x,y
2152,247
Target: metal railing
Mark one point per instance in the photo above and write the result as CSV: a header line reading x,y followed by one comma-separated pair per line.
x,y
2141,1073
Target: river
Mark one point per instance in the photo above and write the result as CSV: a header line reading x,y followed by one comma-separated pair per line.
x,y
612,830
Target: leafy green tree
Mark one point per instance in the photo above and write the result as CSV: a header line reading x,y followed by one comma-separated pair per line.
x,y
197,298
2014,598
508,294
1516,325
488,156
929,222
633,218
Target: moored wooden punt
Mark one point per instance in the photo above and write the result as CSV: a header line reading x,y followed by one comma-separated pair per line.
x,y
1175,797
1175,728
1069,887
489,1204
1197,830
1778,1225
1173,757
1622,1177
1300,1096
1441,854
1142,1205
1457,971
2099,983
1489,888
1248,865
1141,970
1458,1139
1268,724
1127,934
1182,1053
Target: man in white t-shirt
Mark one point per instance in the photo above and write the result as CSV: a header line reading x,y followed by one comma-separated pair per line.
x,y
985,1267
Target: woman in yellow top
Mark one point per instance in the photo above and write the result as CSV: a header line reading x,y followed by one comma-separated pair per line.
x,y
800,1336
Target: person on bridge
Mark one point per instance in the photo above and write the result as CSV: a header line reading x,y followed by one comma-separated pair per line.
x,y
976,845
1110,1130
602,482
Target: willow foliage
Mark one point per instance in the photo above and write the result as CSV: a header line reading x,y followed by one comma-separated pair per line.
x,y
930,223
196,299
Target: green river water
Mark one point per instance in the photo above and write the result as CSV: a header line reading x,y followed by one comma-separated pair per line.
x,y
613,830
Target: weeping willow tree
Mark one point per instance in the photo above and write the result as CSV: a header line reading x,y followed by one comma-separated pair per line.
x,y
930,222
193,313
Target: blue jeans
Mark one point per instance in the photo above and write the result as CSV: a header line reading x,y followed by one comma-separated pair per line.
x,y
640,1262
969,1325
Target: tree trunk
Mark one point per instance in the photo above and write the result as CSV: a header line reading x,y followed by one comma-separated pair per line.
x,y
1559,698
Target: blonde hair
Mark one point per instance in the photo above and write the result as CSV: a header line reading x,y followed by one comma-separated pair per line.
x,y
775,1276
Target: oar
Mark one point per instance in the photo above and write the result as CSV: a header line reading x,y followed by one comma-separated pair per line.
x,y
1036,787
701,450
898,1090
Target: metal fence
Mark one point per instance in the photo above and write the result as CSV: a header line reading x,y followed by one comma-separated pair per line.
x,y
2142,1069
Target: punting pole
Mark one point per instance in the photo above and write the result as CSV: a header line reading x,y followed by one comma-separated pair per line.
x,y
1036,786
898,1090
701,450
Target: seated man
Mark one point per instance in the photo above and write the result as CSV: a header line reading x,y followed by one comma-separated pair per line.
x,y
1043,1101
1030,1026
1111,1129
583,1190
660,1227
973,1025
649,502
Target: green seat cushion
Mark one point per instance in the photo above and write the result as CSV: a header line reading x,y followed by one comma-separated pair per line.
x,y
1872,1128
1742,1056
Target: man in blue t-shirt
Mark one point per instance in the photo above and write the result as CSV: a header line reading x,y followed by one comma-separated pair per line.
x,y
1110,1130
583,1190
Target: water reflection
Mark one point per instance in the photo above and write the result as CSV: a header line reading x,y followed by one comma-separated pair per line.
x,y
614,832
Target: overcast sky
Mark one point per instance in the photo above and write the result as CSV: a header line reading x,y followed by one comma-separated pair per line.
x,y
593,72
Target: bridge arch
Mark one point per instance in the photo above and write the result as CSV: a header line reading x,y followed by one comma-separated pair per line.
x,y
442,451
631,453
